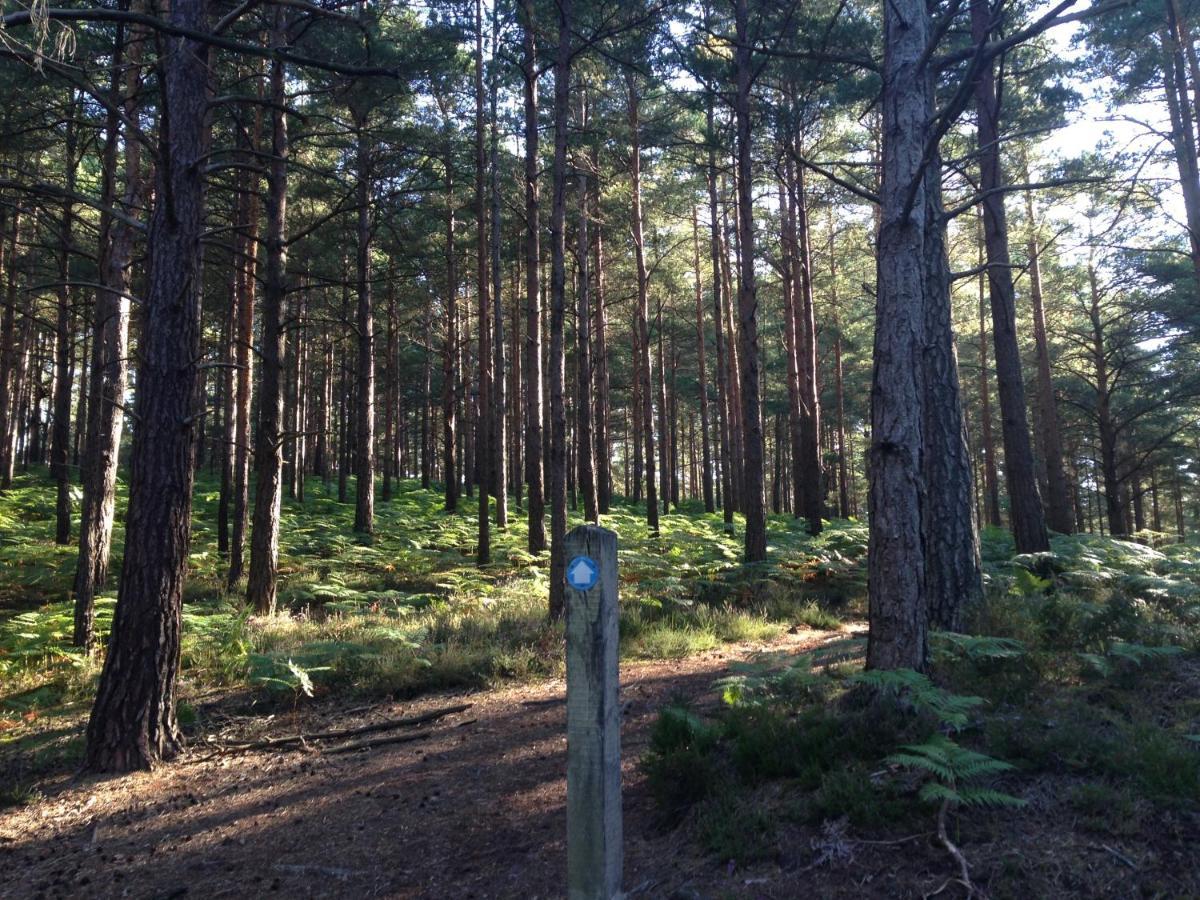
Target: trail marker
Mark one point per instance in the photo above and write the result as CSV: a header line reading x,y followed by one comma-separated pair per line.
x,y
593,717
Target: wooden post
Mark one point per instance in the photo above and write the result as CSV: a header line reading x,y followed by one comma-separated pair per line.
x,y
593,717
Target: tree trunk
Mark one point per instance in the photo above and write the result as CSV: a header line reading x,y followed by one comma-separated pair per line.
x,y
752,497
1025,502
896,553
838,382
558,299
953,580
60,441
584,455
364,501
644,374
601,387
723,410
499,432
110,350
11,358
1058,496
262,582
701,374
991,480
534,469
247,243
450,369
483,428
806,333
133,723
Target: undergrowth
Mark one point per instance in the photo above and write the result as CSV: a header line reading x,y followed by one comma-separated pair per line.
x,y
407,611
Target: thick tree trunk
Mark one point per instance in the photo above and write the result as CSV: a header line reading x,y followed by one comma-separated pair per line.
x,y
953,580
791,323
896,552
133,723
262,583
1025,502
110,349
644,374
752,498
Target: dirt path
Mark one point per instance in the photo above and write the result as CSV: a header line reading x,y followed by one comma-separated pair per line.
x,y
475,811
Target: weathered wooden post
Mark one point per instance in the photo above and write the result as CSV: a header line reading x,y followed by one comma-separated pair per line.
x,y
593,717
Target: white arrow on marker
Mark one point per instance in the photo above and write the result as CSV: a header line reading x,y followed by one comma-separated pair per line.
x,y
583,574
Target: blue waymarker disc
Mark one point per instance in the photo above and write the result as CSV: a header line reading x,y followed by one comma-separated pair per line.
x,y
582,573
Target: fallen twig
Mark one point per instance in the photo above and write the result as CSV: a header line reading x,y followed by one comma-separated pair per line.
x,y
378,742
266,743
1116,854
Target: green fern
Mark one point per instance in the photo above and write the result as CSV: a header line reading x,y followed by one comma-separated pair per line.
x,y
951,709
949,645
954,769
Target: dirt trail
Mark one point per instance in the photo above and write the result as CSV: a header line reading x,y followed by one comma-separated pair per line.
x,y
475,811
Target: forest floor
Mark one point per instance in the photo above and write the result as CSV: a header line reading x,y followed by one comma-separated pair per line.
x,y
475,810
751,767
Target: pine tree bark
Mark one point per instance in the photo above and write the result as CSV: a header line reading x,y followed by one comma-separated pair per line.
x,y
110,349
991,478
898,635
811,469
11,357
534,468
706,476
247,243
364,501
557,456
262,581
752,496
484,461
953,580
718,305
585,449
1058,495
450,437
1025,501
60,439
601,386
133,723
791,323
844,508
499,406
644,374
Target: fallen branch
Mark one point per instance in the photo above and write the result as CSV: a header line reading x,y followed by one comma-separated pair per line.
x,y
377,742
302,739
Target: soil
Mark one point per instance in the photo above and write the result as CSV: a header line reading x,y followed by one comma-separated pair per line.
x,y
477,810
